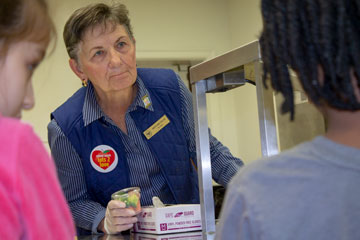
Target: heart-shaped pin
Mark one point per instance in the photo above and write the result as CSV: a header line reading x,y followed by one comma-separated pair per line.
x,y
103,159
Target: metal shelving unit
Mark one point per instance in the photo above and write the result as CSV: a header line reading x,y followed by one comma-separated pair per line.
x,y
221,74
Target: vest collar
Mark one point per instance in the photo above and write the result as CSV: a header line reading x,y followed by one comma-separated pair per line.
x,y
92,111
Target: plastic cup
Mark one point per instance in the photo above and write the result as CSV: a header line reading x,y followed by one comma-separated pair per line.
x,y
130,196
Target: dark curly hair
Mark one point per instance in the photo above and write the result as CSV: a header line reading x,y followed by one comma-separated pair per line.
x,y
305,35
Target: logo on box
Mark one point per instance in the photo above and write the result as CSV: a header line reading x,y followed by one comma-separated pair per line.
x,y
179,214
163,227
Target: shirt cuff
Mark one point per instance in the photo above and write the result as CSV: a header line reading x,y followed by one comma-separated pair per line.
x,y
100,216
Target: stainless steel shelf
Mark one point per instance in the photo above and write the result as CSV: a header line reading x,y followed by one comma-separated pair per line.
x,y
221,74
225,62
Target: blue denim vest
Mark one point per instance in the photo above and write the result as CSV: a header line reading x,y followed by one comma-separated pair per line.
x,y
169,145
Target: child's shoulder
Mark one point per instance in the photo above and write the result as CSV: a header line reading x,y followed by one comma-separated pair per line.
x,y
11,128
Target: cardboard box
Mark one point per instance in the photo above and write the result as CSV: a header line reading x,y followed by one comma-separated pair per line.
x,y
175,236
169,219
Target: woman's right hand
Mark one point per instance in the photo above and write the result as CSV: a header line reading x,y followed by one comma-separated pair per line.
x,y
118,218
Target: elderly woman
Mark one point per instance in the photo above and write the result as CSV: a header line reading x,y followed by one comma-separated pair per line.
x,y
126,127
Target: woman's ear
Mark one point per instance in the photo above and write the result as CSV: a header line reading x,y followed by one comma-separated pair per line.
x,y
75,67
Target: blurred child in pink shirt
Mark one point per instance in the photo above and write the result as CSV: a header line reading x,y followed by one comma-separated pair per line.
x,y
32,205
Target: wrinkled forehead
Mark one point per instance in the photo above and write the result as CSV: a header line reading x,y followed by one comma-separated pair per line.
x,y
102,35
101,32
104,28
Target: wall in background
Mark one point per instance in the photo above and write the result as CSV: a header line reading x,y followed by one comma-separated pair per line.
x,y
233,115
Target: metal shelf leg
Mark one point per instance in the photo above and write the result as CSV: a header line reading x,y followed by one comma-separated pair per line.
x,y
203,160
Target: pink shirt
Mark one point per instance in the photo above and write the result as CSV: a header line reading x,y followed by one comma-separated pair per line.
x,y
32,204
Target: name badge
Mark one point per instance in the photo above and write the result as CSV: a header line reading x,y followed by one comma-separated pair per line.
x,y
156,127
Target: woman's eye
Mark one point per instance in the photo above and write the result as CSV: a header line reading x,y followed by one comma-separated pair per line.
x,y
98,53
121,44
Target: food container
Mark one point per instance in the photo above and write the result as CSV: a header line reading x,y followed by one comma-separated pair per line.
x,y
173,236
130,196
169,219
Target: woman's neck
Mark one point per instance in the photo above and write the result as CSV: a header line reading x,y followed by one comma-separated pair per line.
x,y
117,103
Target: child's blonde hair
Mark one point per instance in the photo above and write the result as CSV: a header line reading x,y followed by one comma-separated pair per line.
x,y
24,20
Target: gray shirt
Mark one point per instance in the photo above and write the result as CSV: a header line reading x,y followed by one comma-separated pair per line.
x,y
309,192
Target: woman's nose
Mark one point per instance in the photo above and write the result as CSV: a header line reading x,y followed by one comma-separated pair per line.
x,y
115,58
29,100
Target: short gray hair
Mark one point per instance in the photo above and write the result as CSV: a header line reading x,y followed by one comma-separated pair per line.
x,y
91,16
